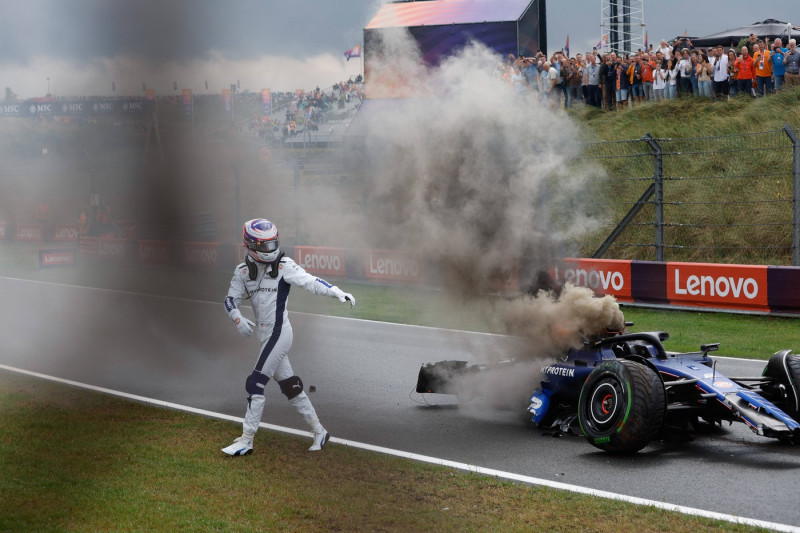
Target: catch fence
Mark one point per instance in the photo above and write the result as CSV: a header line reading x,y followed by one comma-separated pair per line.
x,y
716,199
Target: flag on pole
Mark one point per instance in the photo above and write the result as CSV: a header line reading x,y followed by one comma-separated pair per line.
x,y
144,86
206,85
566,47
645,41
113,86
353,52
603,42
174,85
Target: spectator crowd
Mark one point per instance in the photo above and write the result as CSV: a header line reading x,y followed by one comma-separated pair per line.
x,y
755,67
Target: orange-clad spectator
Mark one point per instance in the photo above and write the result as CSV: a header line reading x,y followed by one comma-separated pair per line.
x,y
83,221
763,64
648,66
746,72
42,212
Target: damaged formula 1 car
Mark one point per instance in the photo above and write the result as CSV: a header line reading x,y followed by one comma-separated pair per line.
x,y
625,390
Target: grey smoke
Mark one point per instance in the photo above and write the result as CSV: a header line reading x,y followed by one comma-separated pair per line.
x,y
461,172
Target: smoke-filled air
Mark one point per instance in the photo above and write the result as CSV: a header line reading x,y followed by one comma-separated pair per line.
x,y
462,170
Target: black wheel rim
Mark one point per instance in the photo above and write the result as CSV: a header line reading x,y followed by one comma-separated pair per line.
x,y
605,405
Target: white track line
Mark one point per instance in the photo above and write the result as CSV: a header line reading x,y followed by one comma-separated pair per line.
x,y
433,460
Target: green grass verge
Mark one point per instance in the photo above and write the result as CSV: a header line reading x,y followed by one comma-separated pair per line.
x,y
75,460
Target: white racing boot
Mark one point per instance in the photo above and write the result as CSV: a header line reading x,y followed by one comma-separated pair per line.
x,y
302,403
244,445
320,439
241,446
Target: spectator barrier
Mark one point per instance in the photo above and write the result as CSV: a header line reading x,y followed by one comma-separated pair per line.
x,y
29,232
748,288
65,233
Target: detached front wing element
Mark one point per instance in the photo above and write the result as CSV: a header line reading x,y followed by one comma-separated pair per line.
x,y
447,377
440,377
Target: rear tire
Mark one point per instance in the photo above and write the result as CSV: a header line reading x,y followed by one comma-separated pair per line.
x,y
784,367
622,406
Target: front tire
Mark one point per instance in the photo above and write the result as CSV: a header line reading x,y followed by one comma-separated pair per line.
x,y
784,367
622,406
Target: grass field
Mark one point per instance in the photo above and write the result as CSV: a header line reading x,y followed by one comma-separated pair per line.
x,y
73,460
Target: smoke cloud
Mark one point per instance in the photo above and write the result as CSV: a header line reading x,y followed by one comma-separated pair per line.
x,y
461,171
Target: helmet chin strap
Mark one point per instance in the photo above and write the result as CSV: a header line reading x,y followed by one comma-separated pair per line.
x,y
252,267
273,273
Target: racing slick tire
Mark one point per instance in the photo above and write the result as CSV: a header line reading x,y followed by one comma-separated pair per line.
x,y
622,406
784,367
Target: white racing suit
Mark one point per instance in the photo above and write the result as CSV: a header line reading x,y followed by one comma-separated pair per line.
x,y
269,296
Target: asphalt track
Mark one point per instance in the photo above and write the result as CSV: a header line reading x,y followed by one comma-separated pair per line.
x,y
187,352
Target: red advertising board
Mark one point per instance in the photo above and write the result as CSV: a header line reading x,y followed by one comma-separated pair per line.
x,y
154,252
29,232
56,258
112,248
321,260
713,285
200,254
382,265
127,229
603,276
65,232
505,278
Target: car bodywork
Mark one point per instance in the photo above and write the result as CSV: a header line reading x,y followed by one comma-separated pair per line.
x,y
624,390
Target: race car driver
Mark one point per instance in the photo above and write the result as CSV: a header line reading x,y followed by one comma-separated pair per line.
x,y
265,278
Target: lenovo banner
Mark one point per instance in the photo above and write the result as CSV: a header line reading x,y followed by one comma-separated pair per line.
x,y
603,276
505,276
201,254
321,260
154,252
57,257
113,248
392,266
713,285
65,232
29,232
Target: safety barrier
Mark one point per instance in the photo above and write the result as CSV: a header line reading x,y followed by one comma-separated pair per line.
x,y
747,288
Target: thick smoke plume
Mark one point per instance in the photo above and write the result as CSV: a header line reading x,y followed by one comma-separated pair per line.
x,y
461,170
555,323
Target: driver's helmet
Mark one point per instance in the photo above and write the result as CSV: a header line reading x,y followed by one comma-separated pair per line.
x,y
260,238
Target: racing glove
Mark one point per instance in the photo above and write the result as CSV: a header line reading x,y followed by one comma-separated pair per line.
x,y
344,296
244,325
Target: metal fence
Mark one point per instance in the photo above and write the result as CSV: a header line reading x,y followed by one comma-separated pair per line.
x,y
722,199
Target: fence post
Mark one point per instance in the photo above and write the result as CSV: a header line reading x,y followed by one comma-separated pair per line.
x,y
795,194
658,195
